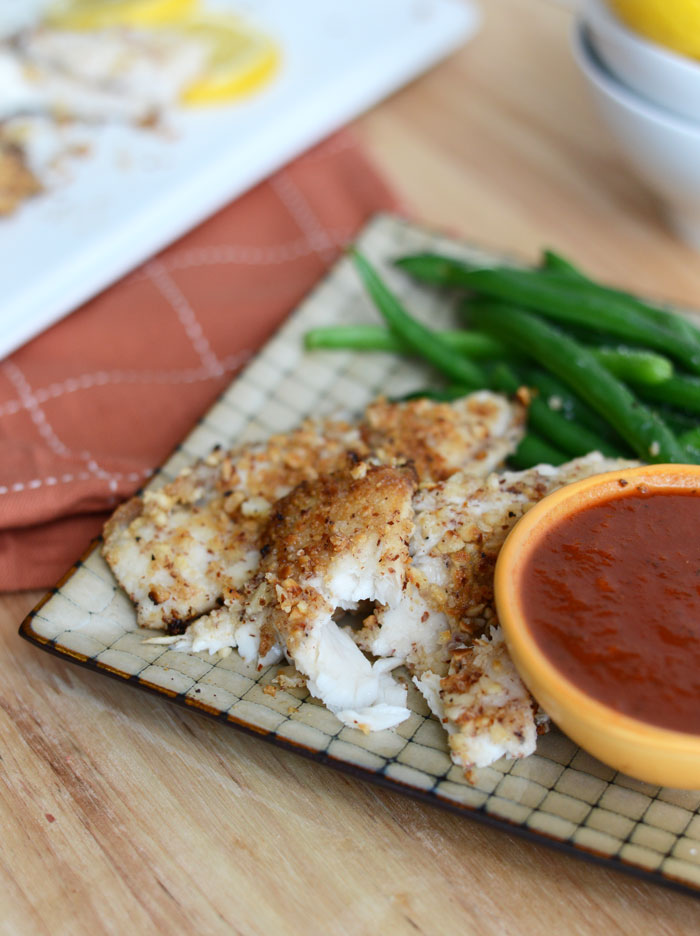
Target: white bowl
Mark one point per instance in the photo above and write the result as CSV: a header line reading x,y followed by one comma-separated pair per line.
x,y
662,148
663,76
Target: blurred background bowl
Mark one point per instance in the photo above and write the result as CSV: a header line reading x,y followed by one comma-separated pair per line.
x,y
663,148
664,77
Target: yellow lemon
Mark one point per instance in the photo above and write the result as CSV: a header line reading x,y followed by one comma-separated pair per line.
x,y
672,23
240,60
100,14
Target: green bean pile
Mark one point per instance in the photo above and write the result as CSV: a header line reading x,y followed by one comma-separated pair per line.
x,y
602,369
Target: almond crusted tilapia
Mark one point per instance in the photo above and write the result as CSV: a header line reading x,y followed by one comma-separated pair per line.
x,y
445,628
331,544
474,434
259,547
328,545
182,550
177,550
483,704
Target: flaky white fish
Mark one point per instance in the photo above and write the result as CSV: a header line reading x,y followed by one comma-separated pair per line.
x,y
181,550
177,551
444,627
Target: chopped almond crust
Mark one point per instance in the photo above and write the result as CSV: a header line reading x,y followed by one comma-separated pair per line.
x,y
180,550
177,550
262,545
344,516
474,434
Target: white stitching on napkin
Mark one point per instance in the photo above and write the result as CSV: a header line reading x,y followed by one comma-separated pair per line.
x,y
29,402
47,432
169,289
296,204
105,378
236,254
20,486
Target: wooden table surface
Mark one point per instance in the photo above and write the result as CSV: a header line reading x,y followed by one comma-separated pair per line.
x,y
122,813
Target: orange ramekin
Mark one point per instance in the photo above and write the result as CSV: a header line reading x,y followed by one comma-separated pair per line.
x,y
648,752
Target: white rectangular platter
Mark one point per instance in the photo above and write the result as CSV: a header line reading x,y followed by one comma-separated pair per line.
x,y
138,190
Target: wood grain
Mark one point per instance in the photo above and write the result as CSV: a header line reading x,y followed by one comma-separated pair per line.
x,y
502,145
122,813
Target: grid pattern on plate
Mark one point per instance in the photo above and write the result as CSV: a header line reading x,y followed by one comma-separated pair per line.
x,y
560,792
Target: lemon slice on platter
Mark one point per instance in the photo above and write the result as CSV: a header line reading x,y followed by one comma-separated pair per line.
x,y
240,60
672,23
237,59
101,14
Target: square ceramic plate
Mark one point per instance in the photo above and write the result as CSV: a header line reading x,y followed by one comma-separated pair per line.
x,y
560,795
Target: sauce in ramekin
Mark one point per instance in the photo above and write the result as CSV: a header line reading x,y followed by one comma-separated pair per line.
x,y
611,595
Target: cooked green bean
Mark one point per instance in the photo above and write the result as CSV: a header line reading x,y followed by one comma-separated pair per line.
x,y
555,263
558,396
646,433
442,270
436,269
503,379
474,344
634,366
532,448
445,395
452,272
560,299
692,438
628,364
570,297
691,442
417,336
554,427
533,451
676,420
680,391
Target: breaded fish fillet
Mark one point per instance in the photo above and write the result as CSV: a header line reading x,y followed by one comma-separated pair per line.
x,y
175,551
444,625
474,434
329,545
182,549
333,543
483,704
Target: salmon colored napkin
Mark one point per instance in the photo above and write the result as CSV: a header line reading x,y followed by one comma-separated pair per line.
x,y
89,408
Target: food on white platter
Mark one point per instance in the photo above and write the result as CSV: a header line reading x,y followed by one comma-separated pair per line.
x,y
17,181
69,69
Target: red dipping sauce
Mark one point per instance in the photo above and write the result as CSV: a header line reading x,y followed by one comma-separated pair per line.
x,y
612,598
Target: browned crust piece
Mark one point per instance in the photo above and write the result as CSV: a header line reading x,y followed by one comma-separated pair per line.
x,y
17,181
442,438
122,517
213,511
323,520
